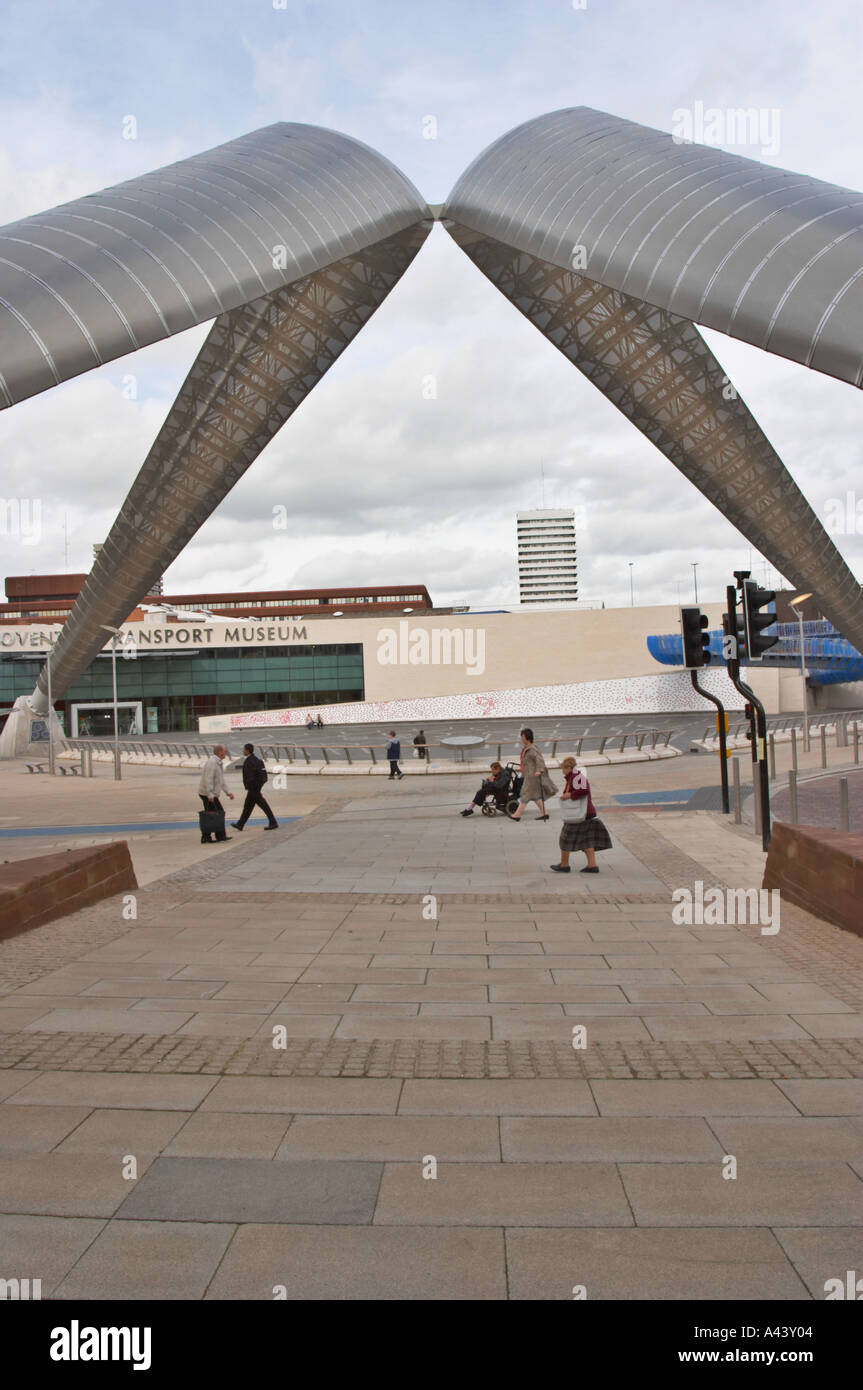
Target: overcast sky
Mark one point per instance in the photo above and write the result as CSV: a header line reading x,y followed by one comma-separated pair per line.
x,y
385,485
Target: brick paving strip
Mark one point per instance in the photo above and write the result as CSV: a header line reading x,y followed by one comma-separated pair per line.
x,y
411,1057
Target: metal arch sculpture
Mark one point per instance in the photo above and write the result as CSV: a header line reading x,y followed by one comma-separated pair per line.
x,y
652,216
291,236
759,253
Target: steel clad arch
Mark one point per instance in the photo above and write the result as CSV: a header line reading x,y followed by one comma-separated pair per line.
x,y
768,256
106,274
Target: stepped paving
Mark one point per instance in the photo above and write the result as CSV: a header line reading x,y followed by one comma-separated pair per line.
x,y
424,1126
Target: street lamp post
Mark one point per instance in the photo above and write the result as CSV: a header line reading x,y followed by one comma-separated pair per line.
x,y
695,578
795,603
115,633
51,767
631,589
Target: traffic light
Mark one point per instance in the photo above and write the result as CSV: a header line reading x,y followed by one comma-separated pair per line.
x,y
734,643
696,638
754,621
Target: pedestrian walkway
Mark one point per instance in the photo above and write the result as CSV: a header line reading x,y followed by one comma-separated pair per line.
x,y
388,1054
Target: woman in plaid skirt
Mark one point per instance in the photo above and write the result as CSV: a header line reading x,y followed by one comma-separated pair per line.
x,y
588,834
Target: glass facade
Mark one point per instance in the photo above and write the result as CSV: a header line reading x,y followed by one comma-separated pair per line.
x,y
183,686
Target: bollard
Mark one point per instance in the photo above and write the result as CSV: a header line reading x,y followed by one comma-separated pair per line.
x,y
794,749
772,749
738,812
117,772
792,793
83,762
823,745
843,803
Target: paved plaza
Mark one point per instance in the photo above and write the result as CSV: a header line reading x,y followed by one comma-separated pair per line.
x,y
388,1054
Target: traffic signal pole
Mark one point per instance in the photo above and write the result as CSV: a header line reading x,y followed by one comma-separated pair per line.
x,y
696,653
723,741
758,718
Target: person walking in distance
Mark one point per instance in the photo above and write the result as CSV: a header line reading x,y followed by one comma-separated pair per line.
x,y
210,788
537,784
421,745
582,829
394,752
254,777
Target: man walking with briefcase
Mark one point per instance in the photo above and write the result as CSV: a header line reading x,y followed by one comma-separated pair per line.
x,y
254,777
210,788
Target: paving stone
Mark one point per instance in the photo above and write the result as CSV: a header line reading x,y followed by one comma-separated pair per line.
x,y
251,1189
822,1253
655,1265
310,1095
749,1097
503,1194
180,989
109,1021
832,1025
300,1025
362,1262
607,1139
725,1026
239,989
37,1128
44,1247
117,1091
598,1029
801,1140
500,975
329,993
58,1184
407,1138
222,1135
827,1097
529,1012
148,1260
119,1132
13,1019
556,994
209,1008
12,1081
496,1098
370,1026
763,1194
230,1025
331,975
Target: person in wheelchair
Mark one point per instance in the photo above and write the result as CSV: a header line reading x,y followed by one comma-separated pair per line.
x,y
498,787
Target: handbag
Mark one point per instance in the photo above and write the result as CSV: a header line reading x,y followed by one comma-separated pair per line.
x,y
576,811
212,821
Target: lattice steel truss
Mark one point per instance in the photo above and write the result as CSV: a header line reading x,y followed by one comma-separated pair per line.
x,y
658,370
256,366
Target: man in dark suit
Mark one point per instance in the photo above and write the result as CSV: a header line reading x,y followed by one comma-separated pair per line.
x,y
254,777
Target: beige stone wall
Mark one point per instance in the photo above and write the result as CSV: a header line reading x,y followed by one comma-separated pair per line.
x,y
550,647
